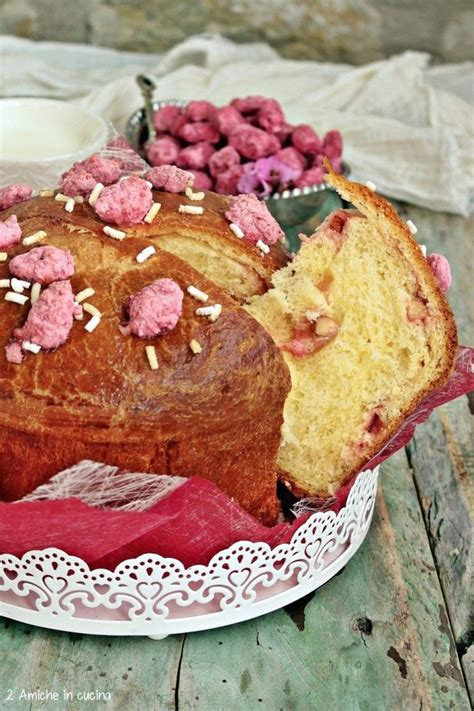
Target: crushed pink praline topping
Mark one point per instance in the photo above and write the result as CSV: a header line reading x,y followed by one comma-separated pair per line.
x,y
170,178
332,145
126,202
305,139
222,160
154,309
43,265
13,194
13,352
441,269
254,219
252,142
51,318
77,181
163,151
196,156
104,170
292,158
10,232
201,180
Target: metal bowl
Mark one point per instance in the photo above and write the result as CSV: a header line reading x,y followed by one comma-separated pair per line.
x,y
298,210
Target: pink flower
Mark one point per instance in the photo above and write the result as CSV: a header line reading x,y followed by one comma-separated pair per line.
x,y
265,176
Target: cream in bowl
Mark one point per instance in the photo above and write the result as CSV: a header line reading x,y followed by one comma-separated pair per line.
x,y
40,138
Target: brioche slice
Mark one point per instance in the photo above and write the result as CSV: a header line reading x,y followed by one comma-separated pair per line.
x,y
366,333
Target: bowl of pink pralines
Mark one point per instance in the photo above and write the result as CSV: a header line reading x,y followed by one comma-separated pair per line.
x,y
246,146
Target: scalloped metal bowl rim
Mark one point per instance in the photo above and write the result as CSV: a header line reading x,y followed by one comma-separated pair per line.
x,y
138,118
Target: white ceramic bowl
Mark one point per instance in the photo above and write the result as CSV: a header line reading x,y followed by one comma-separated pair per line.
x,y
41,138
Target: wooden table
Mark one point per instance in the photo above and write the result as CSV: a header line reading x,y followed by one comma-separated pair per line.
x,y
390,632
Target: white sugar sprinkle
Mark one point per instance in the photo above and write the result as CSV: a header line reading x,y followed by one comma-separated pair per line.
x,y
84,294
69,206
205,310
92,324
115,234
78,199
149,183
47,192
152,212
60,197
3,256
16,298
4,283
19,285
195,346
263,247
412,227
423,249
91,309
35,292
197,293
34,238
369,184
236,230
191,209
145,254
194,196
152,359
94,196
32,347
216,313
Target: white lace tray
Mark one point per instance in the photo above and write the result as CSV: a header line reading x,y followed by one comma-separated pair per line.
x,y
157,596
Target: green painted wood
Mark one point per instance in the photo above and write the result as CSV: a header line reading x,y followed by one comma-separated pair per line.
x,y
139,673
375,637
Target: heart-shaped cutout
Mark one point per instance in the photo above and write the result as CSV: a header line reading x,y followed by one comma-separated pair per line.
x,y
239,577
149,590
55,585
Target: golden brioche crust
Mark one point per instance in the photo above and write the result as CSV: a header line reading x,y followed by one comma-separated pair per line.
x,y
96,397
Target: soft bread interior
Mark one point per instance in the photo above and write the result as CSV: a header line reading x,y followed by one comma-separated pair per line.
x,y
229,269
395,342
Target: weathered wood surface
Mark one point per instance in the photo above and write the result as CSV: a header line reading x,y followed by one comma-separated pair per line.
x,y
379,636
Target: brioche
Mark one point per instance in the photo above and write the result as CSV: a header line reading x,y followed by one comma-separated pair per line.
x,y
366,334
96,397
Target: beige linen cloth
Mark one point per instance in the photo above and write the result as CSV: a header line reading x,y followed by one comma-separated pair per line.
x,y
407,126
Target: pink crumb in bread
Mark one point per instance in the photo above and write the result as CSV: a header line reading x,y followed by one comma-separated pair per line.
x,y
305,139
77,181
222,160
441,269
43,265
228,183
170,178
227,119
252,142
163,151
51,318
164,118
13,194
105,170
270,116
10,232
154,309
196,156
201,180
199,131
126,202
254,219
199,111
